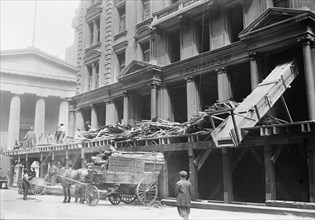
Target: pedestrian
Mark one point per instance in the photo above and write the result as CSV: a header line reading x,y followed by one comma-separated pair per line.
x,y
183,193
26,184
61,133
30,138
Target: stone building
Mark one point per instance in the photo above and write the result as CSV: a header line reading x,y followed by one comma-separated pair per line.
x,y
172,58
34,90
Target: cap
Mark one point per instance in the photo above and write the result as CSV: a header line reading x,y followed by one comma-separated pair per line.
x,y
183,173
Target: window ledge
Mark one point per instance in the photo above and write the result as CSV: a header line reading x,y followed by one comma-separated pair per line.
x,y
123,33
97,45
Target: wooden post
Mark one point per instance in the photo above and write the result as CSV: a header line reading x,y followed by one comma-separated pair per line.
x,y
163,182
11,172
41,168
53,163
67,158
227,176
82,158
270,179
193,173
311,164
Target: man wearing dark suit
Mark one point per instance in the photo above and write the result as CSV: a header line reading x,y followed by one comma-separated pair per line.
x,y
183,193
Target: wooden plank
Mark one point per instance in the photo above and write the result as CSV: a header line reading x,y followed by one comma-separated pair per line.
x,y
227,176
201,158
276,154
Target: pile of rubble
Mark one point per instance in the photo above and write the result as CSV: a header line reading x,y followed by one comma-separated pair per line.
x,y
157,127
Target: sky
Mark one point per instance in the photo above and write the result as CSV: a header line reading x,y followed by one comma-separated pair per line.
x,y
53,32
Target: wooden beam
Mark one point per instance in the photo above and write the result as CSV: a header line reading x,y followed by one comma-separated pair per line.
x,y
227,176
257,156
239,157
193,173
276,154
270,179
202,157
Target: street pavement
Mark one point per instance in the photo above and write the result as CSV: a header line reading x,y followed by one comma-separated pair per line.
x,y
51,207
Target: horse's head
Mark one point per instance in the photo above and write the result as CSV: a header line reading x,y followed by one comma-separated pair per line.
x,y
53,170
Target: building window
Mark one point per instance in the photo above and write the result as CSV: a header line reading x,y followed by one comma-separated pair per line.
x,y
91,29
97,75
174,1
145,9
235,22
145,48
90,75
281,3
98,31
174,46
121,60
94,28
122,18
203,35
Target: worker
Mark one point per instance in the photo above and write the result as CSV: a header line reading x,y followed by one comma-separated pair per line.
x,y
26,184
183,193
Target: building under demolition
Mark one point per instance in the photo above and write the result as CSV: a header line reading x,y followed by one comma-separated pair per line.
x,y
173,59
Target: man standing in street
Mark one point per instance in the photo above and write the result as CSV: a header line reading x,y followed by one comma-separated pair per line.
x,y
26,184
183,193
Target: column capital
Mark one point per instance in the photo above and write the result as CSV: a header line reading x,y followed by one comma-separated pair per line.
x,y
125,93
189,78
252,55
221,70
154,85
162,86
108,101
306,40
91,106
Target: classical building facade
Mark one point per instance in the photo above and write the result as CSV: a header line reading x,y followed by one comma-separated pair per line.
x,y
34,91
146,58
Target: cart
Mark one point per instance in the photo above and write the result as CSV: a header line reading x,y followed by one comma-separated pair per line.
x,y
126,177
38,186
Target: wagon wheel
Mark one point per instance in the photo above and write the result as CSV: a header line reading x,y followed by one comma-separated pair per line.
x,y
38,189
92,195
114,198
20,184
128,195
128,198
147,191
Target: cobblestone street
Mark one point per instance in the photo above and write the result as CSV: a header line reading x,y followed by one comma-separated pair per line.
x,y
51,207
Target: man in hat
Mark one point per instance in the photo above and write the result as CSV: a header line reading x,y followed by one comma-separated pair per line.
x,y
183,193
30,138
26,184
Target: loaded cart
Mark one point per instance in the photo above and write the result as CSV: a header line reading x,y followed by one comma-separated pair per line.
x,y
127,176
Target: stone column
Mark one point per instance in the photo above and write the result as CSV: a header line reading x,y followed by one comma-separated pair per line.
x,y
111,113
254,74
224,84
126,107
39,122
165,110
309,75
193,98
14,121
154,87
94,121
71,121
79,120
64,114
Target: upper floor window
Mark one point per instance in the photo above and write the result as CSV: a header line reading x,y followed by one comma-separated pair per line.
x,y
121,60
145,9
94,28
145,48
174,46
97,75
203,35
90,76
235,22
174,1
122,18
281,3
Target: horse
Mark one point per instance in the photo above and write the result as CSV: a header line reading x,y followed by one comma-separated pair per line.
x,y
65,175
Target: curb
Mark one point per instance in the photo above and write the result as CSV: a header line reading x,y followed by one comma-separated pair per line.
x,y
245,208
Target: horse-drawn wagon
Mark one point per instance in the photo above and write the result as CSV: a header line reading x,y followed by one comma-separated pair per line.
x,y
127,176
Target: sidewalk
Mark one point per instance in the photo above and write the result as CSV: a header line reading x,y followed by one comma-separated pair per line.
x,y
259,208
